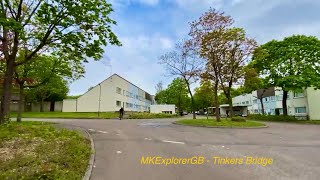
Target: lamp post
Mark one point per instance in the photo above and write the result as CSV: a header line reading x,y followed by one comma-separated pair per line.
x,y
99,100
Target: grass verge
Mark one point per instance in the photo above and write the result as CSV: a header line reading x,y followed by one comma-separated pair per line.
x,y
223,123
37,150
69,115
150,116
280,118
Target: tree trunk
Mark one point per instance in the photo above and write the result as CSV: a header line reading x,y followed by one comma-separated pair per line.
x,y
192,100
216,101
284,103
262,106
21,103
6,96
52,106
230,106
41,105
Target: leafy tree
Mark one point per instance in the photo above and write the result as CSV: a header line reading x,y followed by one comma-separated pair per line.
x,y
74,30
55,89
176,93
292,64
37,73
254,82
204,95
202,31
184,64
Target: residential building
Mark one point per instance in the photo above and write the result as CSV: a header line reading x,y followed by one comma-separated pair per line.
x,y
302,104
109,96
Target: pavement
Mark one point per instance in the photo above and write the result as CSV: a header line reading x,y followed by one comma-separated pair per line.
x,y
120,145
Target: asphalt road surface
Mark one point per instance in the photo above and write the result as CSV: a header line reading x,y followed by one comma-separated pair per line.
x,y
120,146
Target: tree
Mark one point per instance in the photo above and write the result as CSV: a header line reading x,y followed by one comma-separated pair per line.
x,y
39,72
184,64
236,51
159,87
176,93
204,95
254,82
292,64
210,24
55,89
74,30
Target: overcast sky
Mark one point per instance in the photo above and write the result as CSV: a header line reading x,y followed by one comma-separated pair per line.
x,y
150,28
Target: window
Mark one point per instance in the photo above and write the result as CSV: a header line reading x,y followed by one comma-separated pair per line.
x,y
243,102
301,110
247,102
298,94
272,98
255,101
118,103
265,99
118,90
137,97
124,92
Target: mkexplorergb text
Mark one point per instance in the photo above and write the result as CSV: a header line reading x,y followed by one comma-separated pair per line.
x,y
199,160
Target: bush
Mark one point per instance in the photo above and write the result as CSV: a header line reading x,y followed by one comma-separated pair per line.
x,y
145,115
260,117
238,119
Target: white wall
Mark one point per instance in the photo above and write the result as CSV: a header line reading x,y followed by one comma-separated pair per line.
x,y
163,108
69,105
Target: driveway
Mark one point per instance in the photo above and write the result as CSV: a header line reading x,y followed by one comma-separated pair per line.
x,y
120,146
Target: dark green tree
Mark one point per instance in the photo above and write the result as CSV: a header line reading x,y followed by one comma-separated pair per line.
x,y
292,64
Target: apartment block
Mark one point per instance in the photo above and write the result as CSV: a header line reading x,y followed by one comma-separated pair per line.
x,y
301,104
110,95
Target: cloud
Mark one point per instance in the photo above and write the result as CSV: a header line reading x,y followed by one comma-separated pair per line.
x,y
150,28
196,5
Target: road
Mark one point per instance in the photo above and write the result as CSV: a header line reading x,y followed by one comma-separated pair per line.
x,y
120,145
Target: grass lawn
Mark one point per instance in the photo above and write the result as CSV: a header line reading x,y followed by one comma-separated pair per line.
x,y
314,122
92,115
223,123
37,150
280,118
68,115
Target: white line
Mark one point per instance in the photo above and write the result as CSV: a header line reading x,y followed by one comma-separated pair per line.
x,y
104,132
91,129
174,142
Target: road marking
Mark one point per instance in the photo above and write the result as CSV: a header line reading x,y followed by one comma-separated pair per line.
x,y
119,152
174,142
91,130
104,132
149,139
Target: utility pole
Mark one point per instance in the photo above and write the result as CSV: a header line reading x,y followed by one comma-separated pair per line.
x,y
99,100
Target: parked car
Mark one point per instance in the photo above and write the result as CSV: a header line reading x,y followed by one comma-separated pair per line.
x,y
185,113
197,112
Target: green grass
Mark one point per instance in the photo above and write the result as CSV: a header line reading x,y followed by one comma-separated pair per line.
x,y
280,118
150,116
223,123
36,150
69,115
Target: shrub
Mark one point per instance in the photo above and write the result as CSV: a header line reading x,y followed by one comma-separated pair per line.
x,y
260,117
145,115
238,119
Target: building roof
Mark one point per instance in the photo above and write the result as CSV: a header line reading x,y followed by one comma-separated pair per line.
x,y
110,78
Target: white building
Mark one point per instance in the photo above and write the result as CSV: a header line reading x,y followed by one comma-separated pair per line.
x,y
299,104
163,108
109,96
